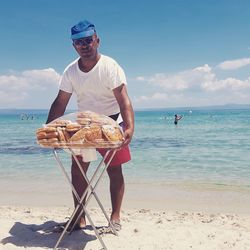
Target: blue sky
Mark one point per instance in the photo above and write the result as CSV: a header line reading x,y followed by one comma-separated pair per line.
x,y
175,53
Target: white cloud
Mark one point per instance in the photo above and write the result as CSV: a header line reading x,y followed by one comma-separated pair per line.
x,y
197,79
41,78
202,85
30,88
184,80
234,64
228,83
155,96
194,87
140,78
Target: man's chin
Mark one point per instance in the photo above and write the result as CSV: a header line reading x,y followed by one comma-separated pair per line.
x,y
86,55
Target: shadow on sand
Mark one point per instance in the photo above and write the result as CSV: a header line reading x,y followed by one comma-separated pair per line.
x,y
32,235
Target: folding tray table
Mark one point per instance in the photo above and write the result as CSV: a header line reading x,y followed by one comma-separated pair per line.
x,y
89,192
58,140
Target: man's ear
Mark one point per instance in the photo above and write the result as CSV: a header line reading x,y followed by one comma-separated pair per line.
x,y
98,41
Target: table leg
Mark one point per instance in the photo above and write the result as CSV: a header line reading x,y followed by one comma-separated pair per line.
x,y
80,199
95,186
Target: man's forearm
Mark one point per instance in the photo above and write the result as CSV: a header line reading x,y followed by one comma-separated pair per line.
x,y
56,111
128,116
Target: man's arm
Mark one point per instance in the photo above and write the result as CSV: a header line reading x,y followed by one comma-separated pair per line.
x,y
180,117
127,112
59,105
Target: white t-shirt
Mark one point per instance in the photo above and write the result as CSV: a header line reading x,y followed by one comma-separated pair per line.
x,y
94,89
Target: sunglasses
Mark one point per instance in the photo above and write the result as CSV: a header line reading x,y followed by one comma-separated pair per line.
x,y
83,42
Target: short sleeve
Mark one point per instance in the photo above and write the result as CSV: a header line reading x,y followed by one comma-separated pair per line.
x,y
65,83
117,76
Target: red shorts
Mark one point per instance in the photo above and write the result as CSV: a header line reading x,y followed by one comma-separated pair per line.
x,y
121,156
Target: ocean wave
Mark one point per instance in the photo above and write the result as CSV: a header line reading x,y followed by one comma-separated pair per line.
x,y
6,149
157,142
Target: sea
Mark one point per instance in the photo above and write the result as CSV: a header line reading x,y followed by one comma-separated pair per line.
x,y
208,147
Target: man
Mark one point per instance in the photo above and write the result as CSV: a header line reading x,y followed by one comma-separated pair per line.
x,y
100,86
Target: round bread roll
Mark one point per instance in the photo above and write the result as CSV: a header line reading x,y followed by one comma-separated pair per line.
x,y
51,135
60,134
39,130
104,120
49,143
83,121
41,135
72,127
46,130
59,123
66,134
52,140
87,114
42,141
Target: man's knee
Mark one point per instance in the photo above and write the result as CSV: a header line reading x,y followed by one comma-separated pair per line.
x,y
115,171
75,168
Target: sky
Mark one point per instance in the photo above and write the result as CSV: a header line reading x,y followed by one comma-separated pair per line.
x,y
187,53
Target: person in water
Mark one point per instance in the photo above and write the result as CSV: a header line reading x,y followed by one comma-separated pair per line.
x,y
177,118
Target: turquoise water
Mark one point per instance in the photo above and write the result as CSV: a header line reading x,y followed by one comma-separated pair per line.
x,y
210,147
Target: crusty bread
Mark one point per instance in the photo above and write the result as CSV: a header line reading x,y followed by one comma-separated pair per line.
x,y
83,121
59,123
87,129
104,120
73,127
87,114
94,133
46,135
112,133
66,134
52,143
46,130
88,134
79,135
92,118
61,134
41,135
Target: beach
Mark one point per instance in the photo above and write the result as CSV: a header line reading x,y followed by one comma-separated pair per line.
x,y
30,228
181,219
187,186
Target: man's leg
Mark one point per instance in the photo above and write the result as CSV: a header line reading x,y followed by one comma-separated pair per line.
x,y
117,187
79,184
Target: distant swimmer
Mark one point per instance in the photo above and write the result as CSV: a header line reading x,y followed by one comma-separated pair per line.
x,y
177,118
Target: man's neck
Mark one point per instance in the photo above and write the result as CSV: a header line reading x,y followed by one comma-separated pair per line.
x,y
86,65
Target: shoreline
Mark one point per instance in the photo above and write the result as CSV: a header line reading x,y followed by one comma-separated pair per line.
x,y
167,197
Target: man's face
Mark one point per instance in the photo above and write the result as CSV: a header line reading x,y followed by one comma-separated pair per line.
x,y
86,47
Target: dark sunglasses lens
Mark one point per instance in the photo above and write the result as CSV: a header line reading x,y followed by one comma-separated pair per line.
x,y
88,40
82,42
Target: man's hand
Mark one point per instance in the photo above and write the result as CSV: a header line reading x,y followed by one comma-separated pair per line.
x,y
128,133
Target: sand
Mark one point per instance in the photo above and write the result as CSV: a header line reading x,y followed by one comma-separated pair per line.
x,y
154,217
24,227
